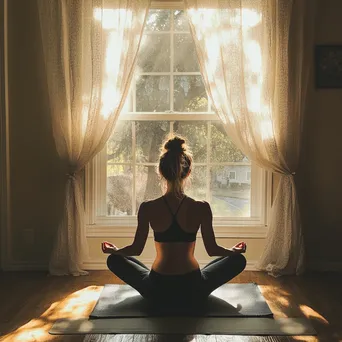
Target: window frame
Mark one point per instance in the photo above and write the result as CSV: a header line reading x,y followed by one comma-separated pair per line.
x,y
125,226
170,73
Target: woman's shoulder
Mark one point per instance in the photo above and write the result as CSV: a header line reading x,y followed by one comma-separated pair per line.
x,y
145,205
199,206
199,203
193,201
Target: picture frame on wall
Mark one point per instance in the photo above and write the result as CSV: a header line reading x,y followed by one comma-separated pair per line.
x,y
328,66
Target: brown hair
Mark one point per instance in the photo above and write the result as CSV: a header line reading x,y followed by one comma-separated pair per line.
x,y
175,162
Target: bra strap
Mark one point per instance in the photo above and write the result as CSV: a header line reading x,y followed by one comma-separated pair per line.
x,y
179,206
167,204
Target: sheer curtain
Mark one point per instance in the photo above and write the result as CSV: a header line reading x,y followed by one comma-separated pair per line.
x,y
254,56
90,49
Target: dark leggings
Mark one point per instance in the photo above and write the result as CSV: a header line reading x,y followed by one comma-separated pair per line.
x,y
197,284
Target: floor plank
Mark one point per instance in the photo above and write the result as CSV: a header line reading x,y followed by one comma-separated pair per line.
x,y
32,301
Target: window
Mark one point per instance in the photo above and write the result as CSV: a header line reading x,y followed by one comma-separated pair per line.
x,y
248,176
168,96
232,175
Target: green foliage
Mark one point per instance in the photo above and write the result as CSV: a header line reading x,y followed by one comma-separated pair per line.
x,y
151,134
196,134
158,20
223,149
119,146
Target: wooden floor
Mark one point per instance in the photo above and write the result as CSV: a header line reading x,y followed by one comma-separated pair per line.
x,y
31,301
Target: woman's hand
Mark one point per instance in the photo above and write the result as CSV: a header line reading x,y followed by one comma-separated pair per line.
x,y
240,247
108,247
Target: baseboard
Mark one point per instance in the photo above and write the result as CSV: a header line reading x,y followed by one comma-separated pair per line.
x,y
23,266
325,266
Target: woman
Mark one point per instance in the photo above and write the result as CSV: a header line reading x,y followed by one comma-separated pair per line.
x,y
175,218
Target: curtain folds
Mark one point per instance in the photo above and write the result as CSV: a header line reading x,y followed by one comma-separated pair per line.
x,y
90,49
255,58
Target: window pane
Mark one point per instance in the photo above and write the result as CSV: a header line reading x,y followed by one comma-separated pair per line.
x,y
147,184
222,148
181,22
185,53
153,93
119,146
189,94
119,190
154,53
196,134
232,175
149,137
196,188
158,20
230,191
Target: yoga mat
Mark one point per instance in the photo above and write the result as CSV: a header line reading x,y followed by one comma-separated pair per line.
x,y
229,300
186,325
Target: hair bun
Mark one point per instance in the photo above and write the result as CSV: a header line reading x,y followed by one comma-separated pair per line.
x,y
175,145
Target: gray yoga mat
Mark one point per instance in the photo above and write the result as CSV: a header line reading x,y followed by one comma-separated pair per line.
x,y
185,325
229,300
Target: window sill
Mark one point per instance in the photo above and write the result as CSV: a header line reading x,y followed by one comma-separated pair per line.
x,y
104,231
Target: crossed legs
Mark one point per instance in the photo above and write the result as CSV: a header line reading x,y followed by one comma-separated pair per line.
x,y
131,271
216,273
220,271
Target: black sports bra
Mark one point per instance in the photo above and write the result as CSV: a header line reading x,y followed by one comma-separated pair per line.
x,y
174,233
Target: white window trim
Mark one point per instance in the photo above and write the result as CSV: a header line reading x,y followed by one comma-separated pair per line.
x,y
101,188
126,226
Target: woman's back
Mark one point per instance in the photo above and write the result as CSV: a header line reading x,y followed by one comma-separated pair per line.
x,y
175,219
175,250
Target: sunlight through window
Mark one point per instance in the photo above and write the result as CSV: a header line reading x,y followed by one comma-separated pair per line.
x,y
113,18
311,313
76,304
168,94
115,24
225,28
